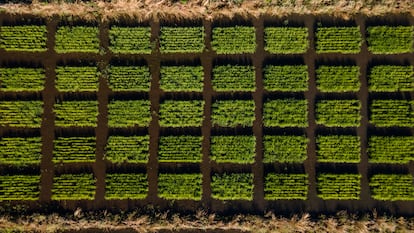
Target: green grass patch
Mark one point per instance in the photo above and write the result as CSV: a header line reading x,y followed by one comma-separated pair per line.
x,y
285,113
131,149
180,149
284,149
391,78
19,188
286,78
180,186
286,187
74,149
233,78
391,149
73,79
286,40
181,113
126,186
338,149
22,79
130,40
77,39
235,186
392,187
338,40
20,151
181,78
129,78
388,40
233,149
181,39
73,187
27,38
233,40
339,186
338,78
392,113
232,113
338,113
129,113
21,113
76,113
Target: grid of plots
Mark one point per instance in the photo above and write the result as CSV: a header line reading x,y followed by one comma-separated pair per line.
x,y
260,111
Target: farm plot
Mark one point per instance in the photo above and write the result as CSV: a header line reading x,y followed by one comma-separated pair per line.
x,y
234,40
21,113
131,149
76,113
22,79
181,113
338,113
82,39
20,151
284,148
73,187
233,78
389,40
181,78
286,78
233,113
391,149
19,187
233,149
285,113
286,40
130,40
73,79
391,78
129,113
129,78
392,187
286,186
180,186
126,186
339,186
338,148
74,149
181,148
337,78
234,186
27,38
338,40
392,113
181,39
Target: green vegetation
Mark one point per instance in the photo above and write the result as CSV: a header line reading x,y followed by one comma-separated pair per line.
x,y
77,39
286,78
232,113
132,149
284,148
181,78
130,40
391,149
129,113
338,149
232,40
180,149
236,186
181,39
180,186
126,186
391,113
181,113
285,113
339,186
392,187
233,149
20,151
21,113
129,78
76,113
73,187
286,40
338,78
74,149
19,188
286,187
22,79
388,40
338,40
391,78
27,38
72,79
338,113
233,78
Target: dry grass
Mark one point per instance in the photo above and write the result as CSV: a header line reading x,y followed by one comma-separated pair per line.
x,y
209,9
341,222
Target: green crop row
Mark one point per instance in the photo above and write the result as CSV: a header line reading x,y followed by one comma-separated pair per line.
x,y
233,78
73,187
285,113
130,40
235,186
73,79
21,113
181,39
284,149
180,149
232,40
232,113
20,151
77,39
391,149
389,113
339,186
22,79
286,40
129,113
337,78
181,78
233,149
19,187
286,78
338,113
388,40
28,38
132,149
286,187
180,186
129,78
338,149
126,186
181,113
74,149
388,78
338,40
392,187
76,113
